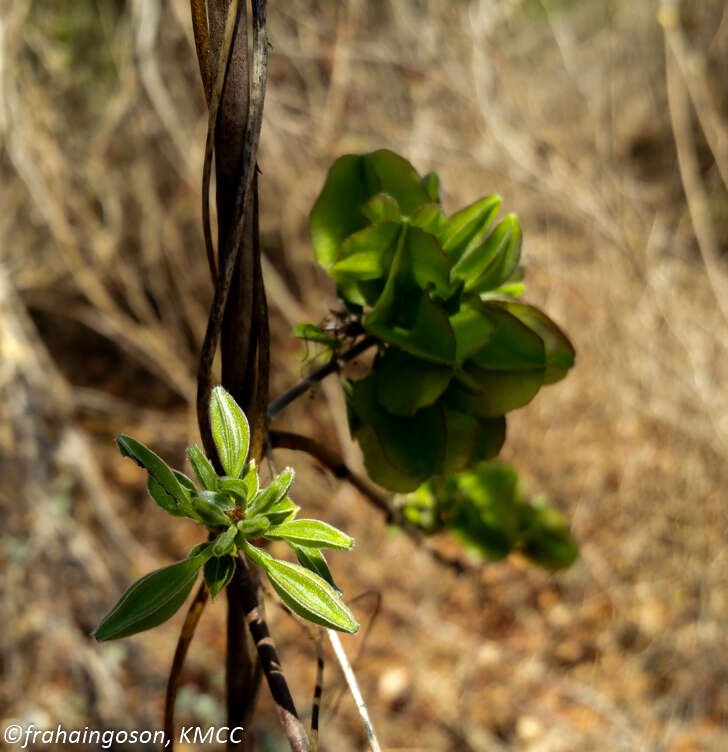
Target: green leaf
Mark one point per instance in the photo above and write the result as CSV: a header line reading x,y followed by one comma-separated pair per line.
x,y
472,329
468,227
212,507
304,592
475,262
337,211
427,263
512,346
230,431
185,482
381,208
155,466
389,173
366,255
313,559
162,498
559,353
251,480
405,384
151,600
218,572
254,527
351,182
312,533
204,472
507,236
546,538
399,453
430,218
489,394
432,186
236,486
312,333
429,336
282,511
269,496
225,542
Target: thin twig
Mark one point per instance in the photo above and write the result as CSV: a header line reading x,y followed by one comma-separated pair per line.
x,y
269,661
334,462
183,643
354,689
335,364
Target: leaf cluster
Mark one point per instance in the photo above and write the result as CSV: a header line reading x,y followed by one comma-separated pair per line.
x,y
458,350
236,511
487,512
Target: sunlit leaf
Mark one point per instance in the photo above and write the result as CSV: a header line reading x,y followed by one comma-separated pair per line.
x,y
311,533
282,511
204,472
275,491
304,592
508,235
155,466
367,254
230,431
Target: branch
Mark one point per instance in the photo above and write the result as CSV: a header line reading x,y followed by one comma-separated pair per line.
x,y
317,693
183,643
269,660
335,364
336,465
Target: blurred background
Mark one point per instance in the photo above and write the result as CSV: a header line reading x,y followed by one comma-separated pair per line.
x,y
604,125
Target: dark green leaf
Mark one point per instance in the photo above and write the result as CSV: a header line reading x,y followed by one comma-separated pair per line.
x,y
559,350
304,592
489,394
430,218
513,345
399,453
405,384
312,533
185,482
230,431
151,600
218,573
154,465
472,328
162,498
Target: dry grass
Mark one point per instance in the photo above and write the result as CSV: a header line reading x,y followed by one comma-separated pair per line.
x,y
563,108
